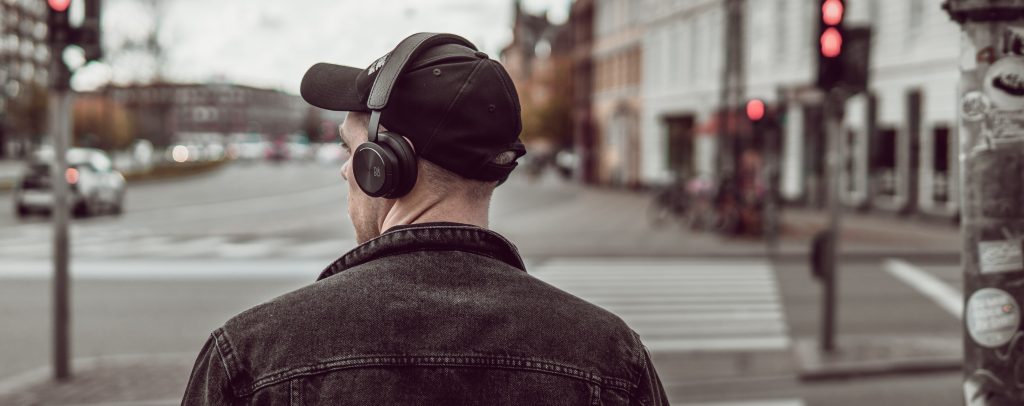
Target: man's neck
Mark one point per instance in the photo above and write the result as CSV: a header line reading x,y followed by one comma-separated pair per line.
x,y
431,209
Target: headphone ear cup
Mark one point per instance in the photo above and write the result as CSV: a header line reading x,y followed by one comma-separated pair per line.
x,y
374,166
405,169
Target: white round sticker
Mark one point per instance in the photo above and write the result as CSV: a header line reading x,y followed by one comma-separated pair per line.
x,y
993,317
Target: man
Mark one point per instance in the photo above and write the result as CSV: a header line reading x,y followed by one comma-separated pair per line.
x,y
431,307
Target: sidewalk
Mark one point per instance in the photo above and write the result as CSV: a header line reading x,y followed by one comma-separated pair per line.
x,y
9,170
621,215
156,379
874,232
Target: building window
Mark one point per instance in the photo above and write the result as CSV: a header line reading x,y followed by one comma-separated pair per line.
x,y
940,163
884,160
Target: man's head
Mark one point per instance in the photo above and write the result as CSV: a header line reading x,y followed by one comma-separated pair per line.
x,y
434,184
456,107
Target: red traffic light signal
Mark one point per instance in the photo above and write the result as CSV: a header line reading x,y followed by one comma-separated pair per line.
x,y
59,5
831,43
755,109
832,12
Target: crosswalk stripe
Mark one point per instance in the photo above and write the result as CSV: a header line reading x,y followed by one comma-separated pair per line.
x,y
331,248
760,402
766,343
681,305
193,248
260,248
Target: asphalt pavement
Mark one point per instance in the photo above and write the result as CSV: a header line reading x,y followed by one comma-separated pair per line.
x,y
721,318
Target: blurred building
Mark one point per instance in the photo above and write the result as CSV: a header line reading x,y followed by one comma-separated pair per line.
x,y
616,53
169,113
581,24
899,150
684,56
539,61
899,139
24,61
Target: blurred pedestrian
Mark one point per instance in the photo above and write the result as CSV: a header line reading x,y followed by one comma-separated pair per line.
x,y
431,307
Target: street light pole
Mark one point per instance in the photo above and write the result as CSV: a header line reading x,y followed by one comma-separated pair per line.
x,y
991,132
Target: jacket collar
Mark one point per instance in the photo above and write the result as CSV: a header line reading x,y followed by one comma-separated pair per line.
x,y
429,237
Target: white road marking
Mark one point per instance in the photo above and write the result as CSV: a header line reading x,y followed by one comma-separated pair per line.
x,y
259,248
766,402
332,249
711,344
178,269
681,305
947,297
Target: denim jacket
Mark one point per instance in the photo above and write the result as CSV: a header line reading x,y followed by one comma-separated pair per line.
x,y
440,314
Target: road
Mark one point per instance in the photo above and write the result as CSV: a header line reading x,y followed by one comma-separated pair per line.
x,y
720,320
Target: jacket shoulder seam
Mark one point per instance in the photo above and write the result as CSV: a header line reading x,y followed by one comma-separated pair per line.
x,y
227,356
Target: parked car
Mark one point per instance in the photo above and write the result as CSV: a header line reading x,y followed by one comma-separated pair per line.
x,y
93,184
277,150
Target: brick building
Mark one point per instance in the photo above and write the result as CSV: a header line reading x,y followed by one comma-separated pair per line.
x,y
168,113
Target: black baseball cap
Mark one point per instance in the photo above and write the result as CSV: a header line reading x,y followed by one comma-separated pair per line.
x,y
457,106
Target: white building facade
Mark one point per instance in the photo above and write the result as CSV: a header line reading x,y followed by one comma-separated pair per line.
x,y
899,138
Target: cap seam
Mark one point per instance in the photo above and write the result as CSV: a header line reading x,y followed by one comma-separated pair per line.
x,y
451,105
511,99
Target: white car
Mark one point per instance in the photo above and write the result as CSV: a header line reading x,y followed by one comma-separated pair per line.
x,y
93,184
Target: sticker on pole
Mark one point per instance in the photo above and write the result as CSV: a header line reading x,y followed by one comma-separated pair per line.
x,y
1000,256
993,317
975,106
1004,83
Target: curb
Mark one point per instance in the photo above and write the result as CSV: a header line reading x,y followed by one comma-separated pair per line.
x,y
881,368
872,356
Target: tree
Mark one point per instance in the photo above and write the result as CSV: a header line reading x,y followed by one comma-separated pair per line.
x,y
101,123
28,114
547,110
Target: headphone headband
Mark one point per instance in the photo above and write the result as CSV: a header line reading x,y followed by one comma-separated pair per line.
x,y
397,60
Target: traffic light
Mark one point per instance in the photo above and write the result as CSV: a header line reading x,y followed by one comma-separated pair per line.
x,y
57,21
88,35
755,110
830,39
62,34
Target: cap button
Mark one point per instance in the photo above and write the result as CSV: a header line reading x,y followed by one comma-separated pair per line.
x,y
481,55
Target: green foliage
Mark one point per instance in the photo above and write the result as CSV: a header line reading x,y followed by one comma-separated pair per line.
x,y
29,112
549,115
101,123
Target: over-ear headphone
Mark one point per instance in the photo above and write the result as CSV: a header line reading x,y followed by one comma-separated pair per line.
x,y
385,165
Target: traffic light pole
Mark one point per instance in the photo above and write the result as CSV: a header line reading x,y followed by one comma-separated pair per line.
x,y
833,119
991,132
60,130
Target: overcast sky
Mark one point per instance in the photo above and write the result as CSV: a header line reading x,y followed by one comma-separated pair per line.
x,y
270,43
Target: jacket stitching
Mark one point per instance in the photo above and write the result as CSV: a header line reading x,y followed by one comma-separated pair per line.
x,y
229,370
512,363
639,360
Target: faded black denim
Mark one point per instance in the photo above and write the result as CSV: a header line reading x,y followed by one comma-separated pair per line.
x,y
440,314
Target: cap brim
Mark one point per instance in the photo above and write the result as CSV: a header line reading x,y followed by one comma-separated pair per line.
x,y
332,87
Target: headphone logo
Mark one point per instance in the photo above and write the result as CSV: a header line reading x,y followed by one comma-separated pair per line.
x,y
376,171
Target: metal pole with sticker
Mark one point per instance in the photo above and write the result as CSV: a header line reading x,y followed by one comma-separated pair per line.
x,y
991,133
